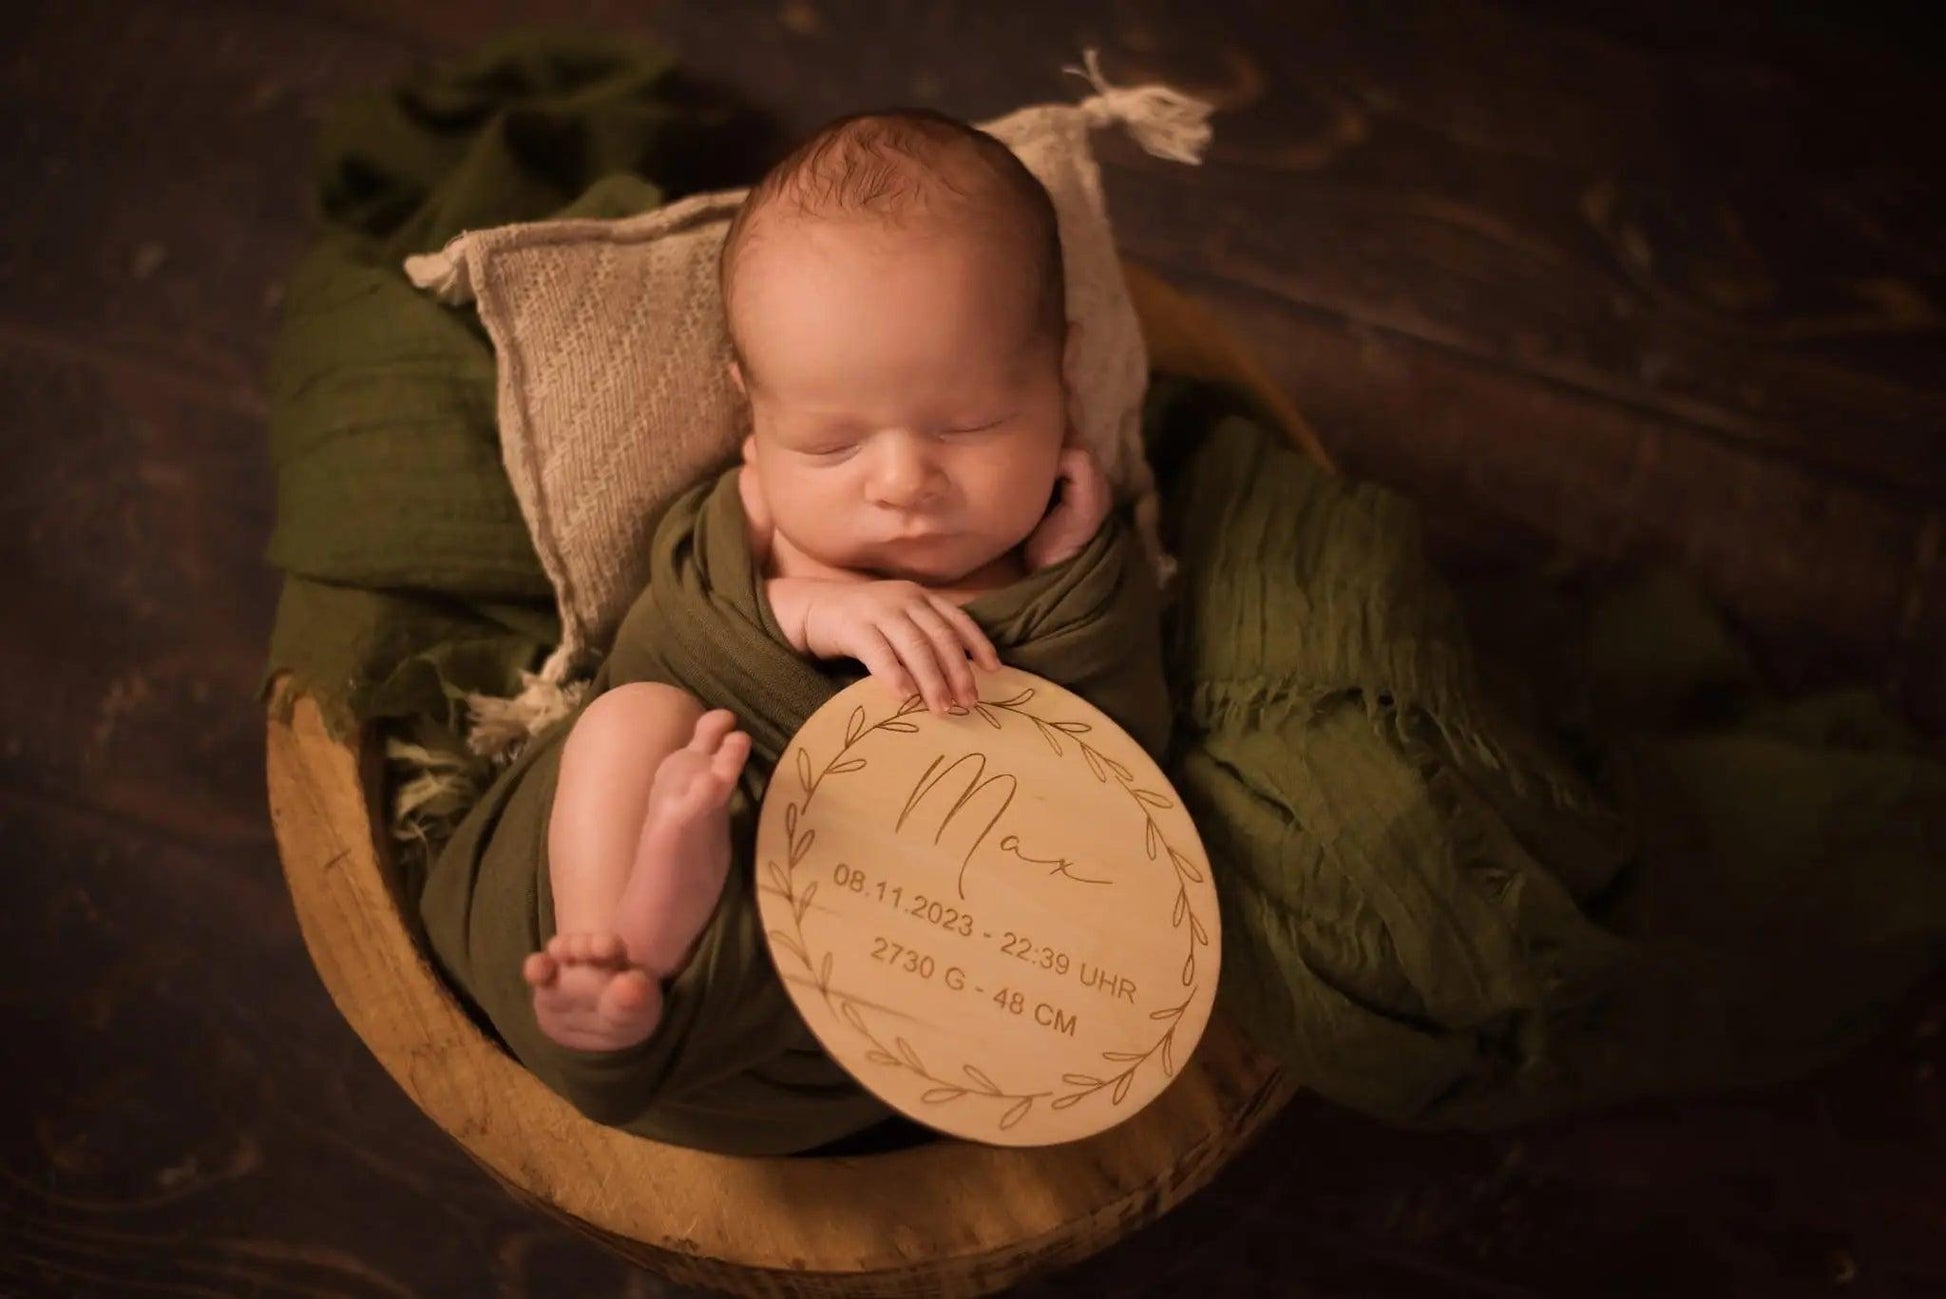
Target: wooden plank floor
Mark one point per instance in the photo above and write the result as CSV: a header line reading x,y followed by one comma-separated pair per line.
x,y
1598,280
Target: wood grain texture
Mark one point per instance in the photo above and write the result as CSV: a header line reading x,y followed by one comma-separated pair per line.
x,y
1017,943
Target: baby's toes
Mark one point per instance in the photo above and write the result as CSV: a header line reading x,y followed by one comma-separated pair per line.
x,y
540,969
677,773
625,996
711,727
697,795
586,949
729,759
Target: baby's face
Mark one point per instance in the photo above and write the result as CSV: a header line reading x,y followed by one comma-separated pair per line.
x,y
908,418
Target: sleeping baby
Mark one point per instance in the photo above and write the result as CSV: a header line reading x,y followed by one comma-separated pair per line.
x,y
911,504
895,302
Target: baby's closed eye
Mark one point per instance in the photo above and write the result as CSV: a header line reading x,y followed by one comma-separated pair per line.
x,y
978,425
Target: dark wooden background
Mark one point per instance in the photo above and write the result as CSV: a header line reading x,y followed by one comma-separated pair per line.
x,y
1589,279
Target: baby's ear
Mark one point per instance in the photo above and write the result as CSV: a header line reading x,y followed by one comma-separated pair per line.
x,y
736,377
750,450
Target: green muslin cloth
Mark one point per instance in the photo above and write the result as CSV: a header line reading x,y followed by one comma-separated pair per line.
x,y
732,1066
410,576
1446,904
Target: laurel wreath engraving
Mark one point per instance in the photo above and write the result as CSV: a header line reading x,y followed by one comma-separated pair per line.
x,y
901,1054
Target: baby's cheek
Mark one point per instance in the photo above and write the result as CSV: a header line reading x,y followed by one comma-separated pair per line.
x,y
816,512
1029,499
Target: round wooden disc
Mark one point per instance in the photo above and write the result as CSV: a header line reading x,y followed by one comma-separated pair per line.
x,y
1001,922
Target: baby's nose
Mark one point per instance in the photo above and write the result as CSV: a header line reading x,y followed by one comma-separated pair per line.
x,y
904,474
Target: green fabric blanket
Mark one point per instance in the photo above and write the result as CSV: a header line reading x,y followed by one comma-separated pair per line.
x,y
732,1066
1444,902
1432,910
411,578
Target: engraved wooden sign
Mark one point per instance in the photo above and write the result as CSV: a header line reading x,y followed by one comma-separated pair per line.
x,y
1001,922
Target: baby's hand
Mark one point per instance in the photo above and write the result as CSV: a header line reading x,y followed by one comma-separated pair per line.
x,y
1084,501
901,632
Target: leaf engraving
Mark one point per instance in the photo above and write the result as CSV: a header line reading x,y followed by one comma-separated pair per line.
x,y
1048,733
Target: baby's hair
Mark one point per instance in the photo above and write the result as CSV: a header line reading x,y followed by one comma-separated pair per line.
x,y
892,164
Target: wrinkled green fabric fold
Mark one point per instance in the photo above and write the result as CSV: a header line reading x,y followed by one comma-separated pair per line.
x,y
395,522
1439,914
732,1067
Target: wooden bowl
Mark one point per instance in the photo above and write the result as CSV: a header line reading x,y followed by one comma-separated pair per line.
x,y
947,1218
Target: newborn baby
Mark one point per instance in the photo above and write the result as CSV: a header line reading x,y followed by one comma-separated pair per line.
x,y
895,299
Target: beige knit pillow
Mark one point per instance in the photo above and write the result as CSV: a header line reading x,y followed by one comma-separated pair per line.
x,y
614,392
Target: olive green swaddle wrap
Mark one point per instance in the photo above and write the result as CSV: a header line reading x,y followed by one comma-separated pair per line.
x,y
732,1066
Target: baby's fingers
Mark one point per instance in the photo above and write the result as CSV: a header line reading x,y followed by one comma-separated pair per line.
x,y
882,661
921,658
947,644
969,632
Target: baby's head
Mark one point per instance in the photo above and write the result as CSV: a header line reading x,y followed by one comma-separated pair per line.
x,y
897,312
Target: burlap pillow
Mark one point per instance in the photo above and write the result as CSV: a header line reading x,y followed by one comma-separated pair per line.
x,y
614,393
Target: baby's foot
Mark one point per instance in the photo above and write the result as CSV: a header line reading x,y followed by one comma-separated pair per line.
x,y
684,853
588,996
